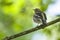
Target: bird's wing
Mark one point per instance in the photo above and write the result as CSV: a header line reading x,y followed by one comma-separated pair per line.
x,y
44,15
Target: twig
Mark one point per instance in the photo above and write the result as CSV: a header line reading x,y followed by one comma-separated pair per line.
x,y
32,30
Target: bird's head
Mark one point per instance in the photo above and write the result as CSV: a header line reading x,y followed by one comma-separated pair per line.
x,y
37,10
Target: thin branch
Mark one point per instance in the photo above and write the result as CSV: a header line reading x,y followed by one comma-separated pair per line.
x,y
32,30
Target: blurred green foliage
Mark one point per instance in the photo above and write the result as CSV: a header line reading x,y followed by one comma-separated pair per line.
x,y
16,16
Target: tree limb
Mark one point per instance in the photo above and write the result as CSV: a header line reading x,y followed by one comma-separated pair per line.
x,y
32,30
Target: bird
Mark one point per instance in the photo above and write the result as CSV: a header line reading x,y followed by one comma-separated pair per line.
x,y
39,16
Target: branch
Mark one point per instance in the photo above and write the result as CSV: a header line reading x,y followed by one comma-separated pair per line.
x,y
32,30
